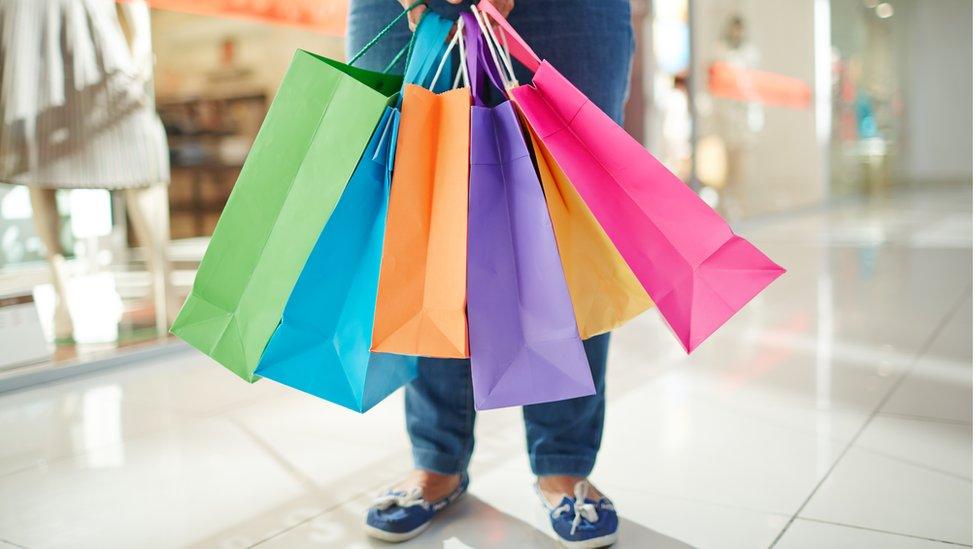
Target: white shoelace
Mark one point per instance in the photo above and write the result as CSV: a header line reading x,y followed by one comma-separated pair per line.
x,y
580,508
400,498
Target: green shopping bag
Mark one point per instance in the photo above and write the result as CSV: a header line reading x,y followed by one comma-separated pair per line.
x,y
318,125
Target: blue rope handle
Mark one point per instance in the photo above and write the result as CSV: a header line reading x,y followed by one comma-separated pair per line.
x,y
383,32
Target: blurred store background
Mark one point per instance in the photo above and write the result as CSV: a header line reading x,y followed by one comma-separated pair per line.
x,y
764,107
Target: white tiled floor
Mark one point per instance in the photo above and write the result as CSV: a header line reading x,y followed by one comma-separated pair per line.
x,y
834,411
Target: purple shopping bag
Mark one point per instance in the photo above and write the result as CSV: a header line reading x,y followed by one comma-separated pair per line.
x,y
525,347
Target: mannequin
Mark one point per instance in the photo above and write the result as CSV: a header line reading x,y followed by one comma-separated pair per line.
x,y
148,210
125,142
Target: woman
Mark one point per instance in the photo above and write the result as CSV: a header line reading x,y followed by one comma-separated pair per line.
x,y
591,43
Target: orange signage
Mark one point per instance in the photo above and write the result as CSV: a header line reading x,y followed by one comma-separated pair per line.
x,y
326,16
769,88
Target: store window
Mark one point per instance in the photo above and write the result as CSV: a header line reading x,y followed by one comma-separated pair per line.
x,y
869,48
214,67
755,139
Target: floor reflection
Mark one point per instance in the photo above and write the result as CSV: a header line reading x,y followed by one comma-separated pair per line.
x,y
837,406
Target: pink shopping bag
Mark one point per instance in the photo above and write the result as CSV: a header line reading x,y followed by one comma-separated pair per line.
x,y
696,270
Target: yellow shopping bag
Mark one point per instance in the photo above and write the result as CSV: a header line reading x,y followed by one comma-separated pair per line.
x,y
604,290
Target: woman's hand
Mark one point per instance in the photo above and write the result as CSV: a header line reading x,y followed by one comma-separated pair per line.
x,y
504,6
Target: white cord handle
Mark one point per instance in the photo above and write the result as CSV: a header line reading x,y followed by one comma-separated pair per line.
x,y
508,54
507,58
463,50
491,50
502,63
458,41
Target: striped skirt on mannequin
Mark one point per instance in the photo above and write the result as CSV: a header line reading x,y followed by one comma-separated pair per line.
x,y
74,111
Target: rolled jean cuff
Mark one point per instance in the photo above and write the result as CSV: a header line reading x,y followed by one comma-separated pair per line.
x,y
574,466
432,460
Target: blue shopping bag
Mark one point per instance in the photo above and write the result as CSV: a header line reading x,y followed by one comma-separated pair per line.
x,y
322,344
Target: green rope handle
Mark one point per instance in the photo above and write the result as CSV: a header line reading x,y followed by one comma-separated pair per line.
x,y
410,43
404,50
385,30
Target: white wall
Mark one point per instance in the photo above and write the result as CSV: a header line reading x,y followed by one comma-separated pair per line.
x,y
939,92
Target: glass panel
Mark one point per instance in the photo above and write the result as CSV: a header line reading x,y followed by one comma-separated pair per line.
x,y
869,42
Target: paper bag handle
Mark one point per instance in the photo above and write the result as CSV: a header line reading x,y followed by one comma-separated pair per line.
x,y
372,42
458,41
520,50
480,59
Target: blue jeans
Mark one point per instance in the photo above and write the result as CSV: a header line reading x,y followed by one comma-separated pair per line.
x,y
591,43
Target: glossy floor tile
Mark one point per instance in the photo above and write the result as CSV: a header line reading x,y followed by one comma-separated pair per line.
x,y
833,411
940,386
890,493
807,534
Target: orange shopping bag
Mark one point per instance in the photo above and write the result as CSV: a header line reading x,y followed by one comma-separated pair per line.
x,y
604,291
420,304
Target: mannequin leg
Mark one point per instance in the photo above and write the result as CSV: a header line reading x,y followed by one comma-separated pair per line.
x,y
48,226
148,209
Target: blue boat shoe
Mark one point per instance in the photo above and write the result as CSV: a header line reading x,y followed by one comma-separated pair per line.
x,y
582,523
399,515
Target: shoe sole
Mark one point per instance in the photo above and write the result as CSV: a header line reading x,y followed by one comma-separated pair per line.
x,y
602,541
394,537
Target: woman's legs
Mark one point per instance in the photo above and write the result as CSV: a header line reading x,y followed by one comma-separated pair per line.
x,y
591,43
563,437
439,403
440,415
